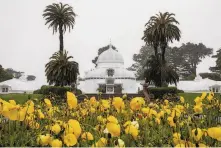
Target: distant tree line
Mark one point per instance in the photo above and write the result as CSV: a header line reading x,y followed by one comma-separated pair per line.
x,y
183,59
216,70
9,73
4,75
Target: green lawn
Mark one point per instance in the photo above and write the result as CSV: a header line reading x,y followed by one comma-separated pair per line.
x,y
189,97
19,98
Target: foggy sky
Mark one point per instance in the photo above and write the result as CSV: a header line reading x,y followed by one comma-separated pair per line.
x,y
26,43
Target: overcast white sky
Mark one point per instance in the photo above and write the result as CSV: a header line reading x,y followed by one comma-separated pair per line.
x,y
26,43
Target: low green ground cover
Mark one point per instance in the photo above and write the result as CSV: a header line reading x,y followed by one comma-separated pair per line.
x,y
189,97
19,98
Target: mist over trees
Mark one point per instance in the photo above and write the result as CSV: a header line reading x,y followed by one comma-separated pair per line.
x,y
183,59
4,75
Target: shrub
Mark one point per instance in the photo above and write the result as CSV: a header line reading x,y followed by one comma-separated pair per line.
x,y
38,91
56,90
212,76
180,91
159,92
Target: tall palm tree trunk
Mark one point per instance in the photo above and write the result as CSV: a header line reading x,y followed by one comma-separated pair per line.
x,y
163,47
155,49
61,38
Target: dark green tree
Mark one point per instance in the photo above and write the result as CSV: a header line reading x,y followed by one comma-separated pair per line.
x,y
60,17
217,67
160,30
60,71
159,72
4,75
212,76
180,58
140,60
31,77
101,50
194,53
16,74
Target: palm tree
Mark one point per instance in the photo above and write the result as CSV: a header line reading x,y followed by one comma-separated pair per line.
x,y
60,71
159,72
151,37
60,17
160,30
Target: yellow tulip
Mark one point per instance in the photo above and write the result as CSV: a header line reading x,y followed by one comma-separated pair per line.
x,y
113,129
197,134
182,100
132,130
176,138
215,133
136,103
198,100
102,142
48,102
70,140
12,102
56,128
118,103
203,95
119,144
71,100
44,140
93,101
198,109
171,121
112,119
74,127
56,143
166,101
40,114
180,145
87,136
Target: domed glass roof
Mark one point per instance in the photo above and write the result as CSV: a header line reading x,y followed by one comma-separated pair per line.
x,y
110,56
118,73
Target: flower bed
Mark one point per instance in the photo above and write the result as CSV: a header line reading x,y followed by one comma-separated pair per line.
x,y
114,122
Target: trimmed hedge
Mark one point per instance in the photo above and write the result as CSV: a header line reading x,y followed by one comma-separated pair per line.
x,y
159,92
57,90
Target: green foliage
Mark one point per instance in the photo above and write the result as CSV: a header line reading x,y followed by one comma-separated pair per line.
x,y
189,97
31,77
159,72
57,90
60,71
217,68
160,30
60,17
193,54
183,59
180,91
140,60
189,77
159,92
101,50
212,76
15,74
4,75
20,98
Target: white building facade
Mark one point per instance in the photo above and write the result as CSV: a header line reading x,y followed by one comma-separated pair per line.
x,y
20,85
109,76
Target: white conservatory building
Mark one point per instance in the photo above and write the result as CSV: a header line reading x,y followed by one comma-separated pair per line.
x,y
20,85
109,76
